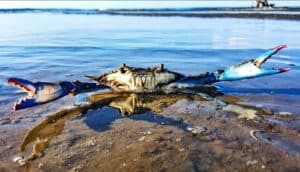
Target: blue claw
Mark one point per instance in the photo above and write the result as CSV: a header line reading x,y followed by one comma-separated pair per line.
x,y
37,92
25,103
251,68
43,92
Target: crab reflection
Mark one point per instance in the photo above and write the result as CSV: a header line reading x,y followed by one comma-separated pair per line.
x,y
147,107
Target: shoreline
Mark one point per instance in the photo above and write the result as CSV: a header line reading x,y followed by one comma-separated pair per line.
x,y
222,12
288,13
215,15
91,141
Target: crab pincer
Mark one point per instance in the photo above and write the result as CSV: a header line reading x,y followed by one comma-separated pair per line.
x,y
37,92
251,68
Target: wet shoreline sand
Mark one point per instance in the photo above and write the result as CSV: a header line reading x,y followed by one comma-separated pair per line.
x,y
143,142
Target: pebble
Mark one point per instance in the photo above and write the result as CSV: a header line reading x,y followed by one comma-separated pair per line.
x,y
20,160
91,143
178,139
196,129
142,138
77,169
147,132
17,158
41,165
107,151
181,150
251,162
68,130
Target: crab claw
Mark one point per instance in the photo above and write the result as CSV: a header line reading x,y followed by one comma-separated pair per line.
x,y
23,84
24,103
251,68
37,92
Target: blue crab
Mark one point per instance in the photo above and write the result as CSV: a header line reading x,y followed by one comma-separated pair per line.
x,y
142,80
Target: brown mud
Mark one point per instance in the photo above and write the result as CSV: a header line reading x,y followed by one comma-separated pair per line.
x,y
130,132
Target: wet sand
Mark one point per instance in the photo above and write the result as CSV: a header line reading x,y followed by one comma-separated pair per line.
x,y
160,133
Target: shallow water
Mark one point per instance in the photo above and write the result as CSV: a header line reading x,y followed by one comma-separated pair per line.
x,y
53,47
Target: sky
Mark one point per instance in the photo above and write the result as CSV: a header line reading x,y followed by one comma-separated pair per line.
x,y
135,4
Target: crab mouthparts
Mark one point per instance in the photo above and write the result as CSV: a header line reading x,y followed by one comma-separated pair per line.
x,y
27,87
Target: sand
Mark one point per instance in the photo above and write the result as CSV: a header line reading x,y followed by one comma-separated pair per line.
x,y
154,133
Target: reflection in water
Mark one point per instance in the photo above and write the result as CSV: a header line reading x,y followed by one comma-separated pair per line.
x,y
136,106
288,91
146,107
127,104
101,120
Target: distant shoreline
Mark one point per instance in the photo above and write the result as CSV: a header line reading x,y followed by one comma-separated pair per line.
x,y
287,13
215,15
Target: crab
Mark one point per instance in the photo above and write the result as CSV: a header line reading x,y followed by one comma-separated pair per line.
x,y
133,91
128,79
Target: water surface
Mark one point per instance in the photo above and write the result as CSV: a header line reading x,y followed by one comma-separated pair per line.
x,y
54,47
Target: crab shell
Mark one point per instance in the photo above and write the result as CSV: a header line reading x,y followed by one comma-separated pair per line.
x,y
138,80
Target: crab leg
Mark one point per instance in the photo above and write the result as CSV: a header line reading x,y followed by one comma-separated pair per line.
x,y
43,92
245,70
251,68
